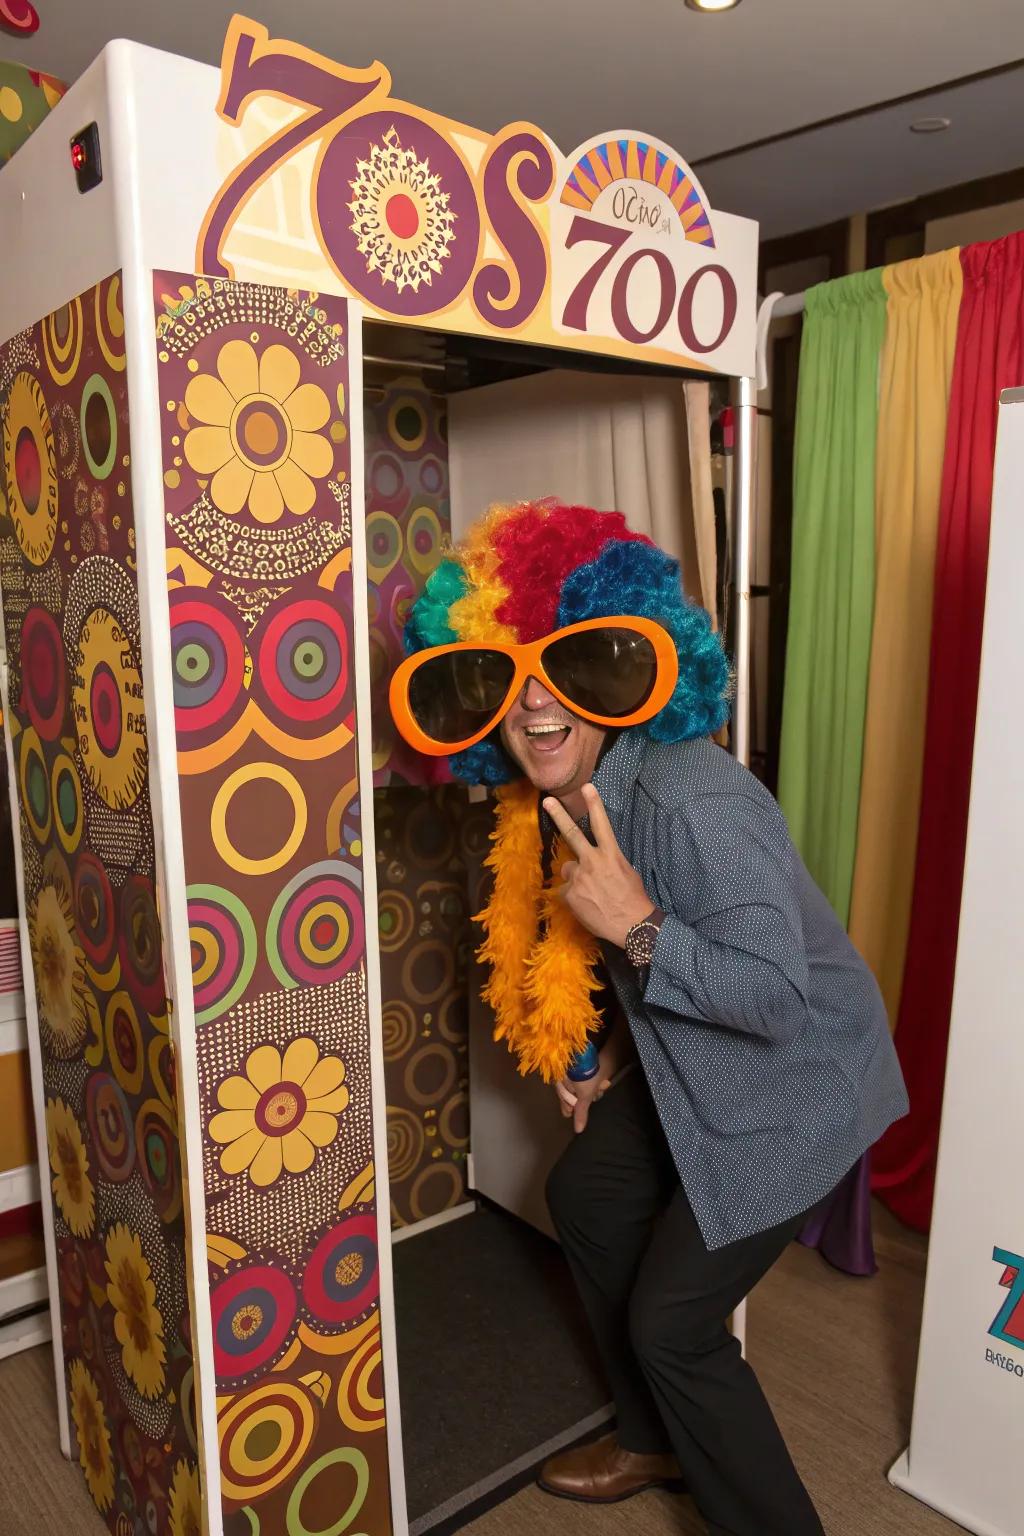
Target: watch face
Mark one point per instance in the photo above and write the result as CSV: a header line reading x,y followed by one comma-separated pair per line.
x,y
640,943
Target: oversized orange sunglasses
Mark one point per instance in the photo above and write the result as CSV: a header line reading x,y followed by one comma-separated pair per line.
x,y
617,671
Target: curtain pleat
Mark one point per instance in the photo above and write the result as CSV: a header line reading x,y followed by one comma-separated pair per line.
x,y
832,578
916,375
989,358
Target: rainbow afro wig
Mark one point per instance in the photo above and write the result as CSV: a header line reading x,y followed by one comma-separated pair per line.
x,y
524,571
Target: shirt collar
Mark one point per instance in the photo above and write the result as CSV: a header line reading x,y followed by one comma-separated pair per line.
x,y
619,769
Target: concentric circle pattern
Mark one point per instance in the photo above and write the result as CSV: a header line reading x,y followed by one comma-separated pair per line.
x,y
110,1126
30,465
95,910
156,1140
254,1312
34,783
208,659
264,1436
44,673
315,932
108,704
303,663
98,424
341,1284
140,950
66,797
224,949
63,335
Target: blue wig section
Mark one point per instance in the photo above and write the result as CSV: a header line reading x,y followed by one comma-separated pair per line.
x,y
635,578
485,763
427,624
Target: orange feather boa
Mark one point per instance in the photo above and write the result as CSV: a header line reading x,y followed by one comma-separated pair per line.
x,y
542,961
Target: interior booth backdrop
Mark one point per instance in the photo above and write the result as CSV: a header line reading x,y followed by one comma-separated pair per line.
x,y
199,608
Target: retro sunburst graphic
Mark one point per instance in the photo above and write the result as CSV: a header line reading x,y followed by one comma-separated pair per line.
x,y
400,216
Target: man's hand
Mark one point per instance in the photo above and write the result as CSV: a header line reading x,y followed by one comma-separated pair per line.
x,y
576,1098
601,888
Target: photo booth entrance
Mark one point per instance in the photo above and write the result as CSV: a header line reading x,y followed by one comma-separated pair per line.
x,y
496,1365
252,1023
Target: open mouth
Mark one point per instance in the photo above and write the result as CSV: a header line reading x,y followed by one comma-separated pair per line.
x,y
546,737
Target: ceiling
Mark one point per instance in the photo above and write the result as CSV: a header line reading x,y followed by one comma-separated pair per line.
x,y
707,84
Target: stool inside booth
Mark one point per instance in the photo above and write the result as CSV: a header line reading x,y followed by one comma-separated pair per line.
x,y
497,1367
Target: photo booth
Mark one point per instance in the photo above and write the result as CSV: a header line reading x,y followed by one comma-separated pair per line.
x,y
245,991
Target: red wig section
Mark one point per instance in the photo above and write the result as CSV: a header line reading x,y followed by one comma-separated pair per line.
x,y
537,546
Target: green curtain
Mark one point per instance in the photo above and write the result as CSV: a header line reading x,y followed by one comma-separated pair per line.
x,y
832,576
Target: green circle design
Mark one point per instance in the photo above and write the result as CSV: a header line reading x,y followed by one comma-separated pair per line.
x,y
233,904
97,385
345,1455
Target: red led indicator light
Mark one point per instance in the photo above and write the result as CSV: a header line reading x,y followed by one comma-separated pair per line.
x,y
79,155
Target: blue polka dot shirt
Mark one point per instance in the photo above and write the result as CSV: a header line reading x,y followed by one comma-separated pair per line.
x,y
761,1031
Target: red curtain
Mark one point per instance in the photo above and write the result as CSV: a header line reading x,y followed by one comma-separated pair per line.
x,y
989,358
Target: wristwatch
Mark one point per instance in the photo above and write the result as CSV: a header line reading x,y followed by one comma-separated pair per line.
x,y
641,939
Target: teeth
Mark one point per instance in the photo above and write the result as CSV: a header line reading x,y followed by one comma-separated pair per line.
x,y
544,730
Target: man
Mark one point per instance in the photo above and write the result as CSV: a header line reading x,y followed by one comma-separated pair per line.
x,y
554,653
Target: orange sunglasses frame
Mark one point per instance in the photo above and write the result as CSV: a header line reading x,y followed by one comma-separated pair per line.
x,y
529,662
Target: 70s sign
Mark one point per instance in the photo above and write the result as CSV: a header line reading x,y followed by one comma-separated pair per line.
x,y
335,184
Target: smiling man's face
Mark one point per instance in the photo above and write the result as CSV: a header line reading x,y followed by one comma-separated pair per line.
x,y
556,750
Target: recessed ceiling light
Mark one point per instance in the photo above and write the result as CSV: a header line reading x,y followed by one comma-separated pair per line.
x,y
930,124
712,5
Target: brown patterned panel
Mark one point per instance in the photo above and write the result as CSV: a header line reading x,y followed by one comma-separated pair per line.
x,y
408,520
254,396
427,841
75,712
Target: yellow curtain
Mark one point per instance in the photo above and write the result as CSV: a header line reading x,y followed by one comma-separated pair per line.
x,y
916,371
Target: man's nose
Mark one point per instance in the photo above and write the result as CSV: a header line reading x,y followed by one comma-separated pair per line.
x,y
535,695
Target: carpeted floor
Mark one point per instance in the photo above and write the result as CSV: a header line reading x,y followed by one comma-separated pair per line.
x,y
500,1361
835,1355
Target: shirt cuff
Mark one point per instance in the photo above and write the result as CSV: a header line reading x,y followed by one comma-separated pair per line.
x,y
671,962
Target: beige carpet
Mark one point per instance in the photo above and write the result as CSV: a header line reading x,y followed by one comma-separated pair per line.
x,y
836,1357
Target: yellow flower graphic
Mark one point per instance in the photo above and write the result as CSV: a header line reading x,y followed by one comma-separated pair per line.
x,y
67,1006
72,1186
260,437
138,1325
185,1514
280,1111
93,1436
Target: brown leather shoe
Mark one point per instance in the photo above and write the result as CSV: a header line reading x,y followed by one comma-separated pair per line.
x,y
603,1473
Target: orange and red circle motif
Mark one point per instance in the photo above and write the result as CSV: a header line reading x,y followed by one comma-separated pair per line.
x,y
208,659
254,1312
30,465
341,1284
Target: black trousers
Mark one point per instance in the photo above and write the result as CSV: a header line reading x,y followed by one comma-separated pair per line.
x,y
658,1304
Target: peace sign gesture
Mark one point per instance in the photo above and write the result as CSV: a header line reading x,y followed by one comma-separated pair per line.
x,y
602,889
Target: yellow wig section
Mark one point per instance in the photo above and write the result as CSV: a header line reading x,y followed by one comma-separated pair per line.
x,y
473,617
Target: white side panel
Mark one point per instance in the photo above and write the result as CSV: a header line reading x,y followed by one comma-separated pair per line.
x,y
518,1132
966,1438
361,660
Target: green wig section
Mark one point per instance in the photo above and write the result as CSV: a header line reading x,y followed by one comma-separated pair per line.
x,y
427,624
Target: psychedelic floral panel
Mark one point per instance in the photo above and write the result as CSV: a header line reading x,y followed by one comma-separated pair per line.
x,y
75,710
254,385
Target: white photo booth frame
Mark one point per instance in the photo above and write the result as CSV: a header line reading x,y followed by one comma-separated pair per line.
x,y
164,155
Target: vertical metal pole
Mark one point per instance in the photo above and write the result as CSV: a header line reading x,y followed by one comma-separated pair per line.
x,y
744,493
744,481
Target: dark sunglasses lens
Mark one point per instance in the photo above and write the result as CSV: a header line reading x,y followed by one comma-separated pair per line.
x,y
608,672
454,696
